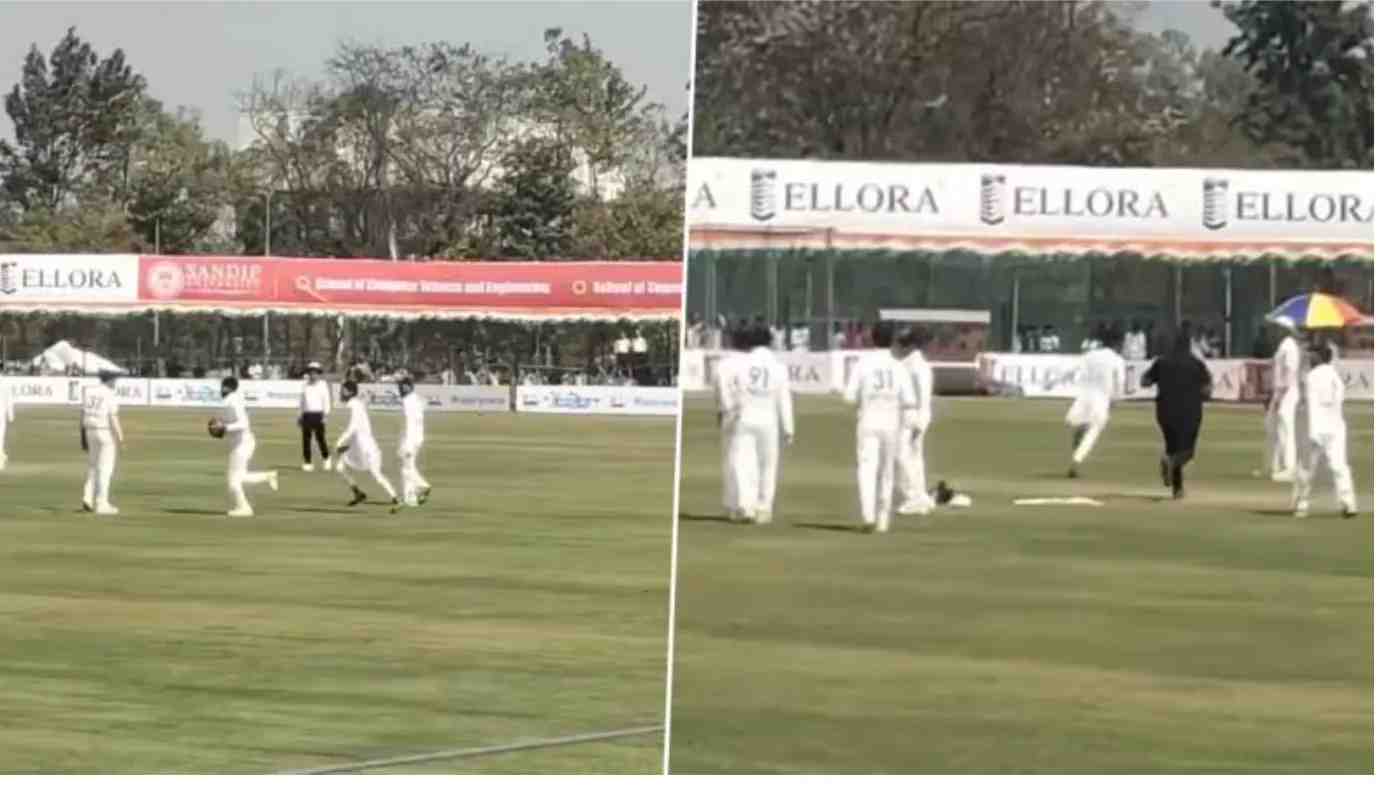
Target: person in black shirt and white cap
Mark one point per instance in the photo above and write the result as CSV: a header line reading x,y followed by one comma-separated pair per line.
x,y
315,407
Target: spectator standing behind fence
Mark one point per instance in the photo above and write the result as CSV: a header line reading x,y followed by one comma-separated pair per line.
x,y
315,407
693,337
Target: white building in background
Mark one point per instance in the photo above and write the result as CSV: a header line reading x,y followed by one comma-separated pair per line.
x,y
610,184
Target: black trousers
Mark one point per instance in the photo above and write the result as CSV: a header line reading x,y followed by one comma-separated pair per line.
x,y
313,424
1180,429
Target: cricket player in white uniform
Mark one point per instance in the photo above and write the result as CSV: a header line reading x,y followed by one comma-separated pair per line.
x,y
913,476
882,390
101,433
239,432
1103,375
1327,435
765,413
6,418
415,489
1281,410
728,421
357,449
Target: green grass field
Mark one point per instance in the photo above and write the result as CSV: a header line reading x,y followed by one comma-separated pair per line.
x,y
527,600
1217,634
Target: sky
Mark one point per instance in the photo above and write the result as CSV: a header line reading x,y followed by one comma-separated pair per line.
x,y
200,54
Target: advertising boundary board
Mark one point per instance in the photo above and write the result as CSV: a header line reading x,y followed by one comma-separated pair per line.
x,y
1191,213
1235,379
259,394
597,400
1031,375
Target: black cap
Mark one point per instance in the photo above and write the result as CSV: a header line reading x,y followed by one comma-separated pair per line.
x,y
107,375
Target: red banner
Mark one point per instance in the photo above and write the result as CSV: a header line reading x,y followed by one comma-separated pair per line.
x,y
529,289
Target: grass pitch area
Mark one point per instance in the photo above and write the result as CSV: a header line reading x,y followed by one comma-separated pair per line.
x,y
1215,634
528,600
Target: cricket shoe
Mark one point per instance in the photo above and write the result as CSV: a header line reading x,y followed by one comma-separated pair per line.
x,y
1074,472
763,517
423,496
240,512
1347,513
916,508
1302,512
308,468
359,497
328,464
107,511
396,505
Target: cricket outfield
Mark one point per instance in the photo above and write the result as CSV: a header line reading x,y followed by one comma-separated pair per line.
x,y
528,600
1217,634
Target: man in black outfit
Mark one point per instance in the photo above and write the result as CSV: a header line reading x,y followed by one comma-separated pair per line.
x,y
1183,384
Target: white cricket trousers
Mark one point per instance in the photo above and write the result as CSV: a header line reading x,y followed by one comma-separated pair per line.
x,y
1093,428
412,480
373,468
731,490
1281,433
239,476
1332,450
913,470
756,466
876,459
100,468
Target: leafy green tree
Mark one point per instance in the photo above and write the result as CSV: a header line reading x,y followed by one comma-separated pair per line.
x,y
75,120
533,203
1312,62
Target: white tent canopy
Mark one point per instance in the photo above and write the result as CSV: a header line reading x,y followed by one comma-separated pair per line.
x,y
63,356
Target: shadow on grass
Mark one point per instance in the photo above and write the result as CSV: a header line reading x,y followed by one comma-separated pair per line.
x,y
195,511
720,519
855,529
1140,497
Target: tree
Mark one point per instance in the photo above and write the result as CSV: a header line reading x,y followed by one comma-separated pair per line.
x,y
1312,62
75,119
1063,82
533,203
180,182
590,104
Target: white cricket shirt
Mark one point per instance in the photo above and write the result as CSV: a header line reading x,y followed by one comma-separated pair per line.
x,y
98,406
725,381
1102,374
762,386
315,397
413,418
882,388
920,371
1324,392
235,413
360,428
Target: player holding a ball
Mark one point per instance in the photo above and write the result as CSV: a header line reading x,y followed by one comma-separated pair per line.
x,y
234,425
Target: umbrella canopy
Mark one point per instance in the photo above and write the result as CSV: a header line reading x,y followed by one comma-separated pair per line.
x,y
1315,311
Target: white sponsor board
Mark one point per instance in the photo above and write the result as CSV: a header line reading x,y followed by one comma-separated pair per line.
x,y
30,281
442,398
597,400
259,394
1058,376
67,390
1018,201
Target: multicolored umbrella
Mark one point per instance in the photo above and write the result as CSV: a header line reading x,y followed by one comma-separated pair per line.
x,y
1315,311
